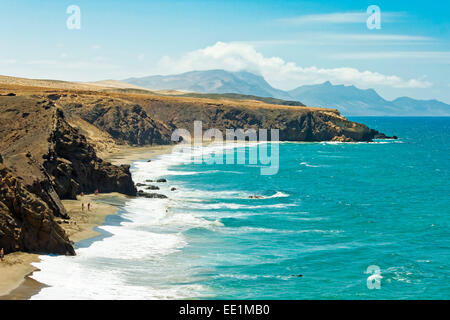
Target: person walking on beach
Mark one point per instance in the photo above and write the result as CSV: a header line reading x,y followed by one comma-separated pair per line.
x,y
89,206
96,192
2,254
82,206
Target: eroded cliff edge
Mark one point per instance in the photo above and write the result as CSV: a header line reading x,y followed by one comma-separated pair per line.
x,y
45,160
141,119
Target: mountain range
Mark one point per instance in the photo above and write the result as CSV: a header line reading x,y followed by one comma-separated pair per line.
x,y
349,100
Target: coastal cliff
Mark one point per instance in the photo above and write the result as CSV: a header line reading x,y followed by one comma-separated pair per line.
x,y
27,223
75,167
140,119
45,160
50,139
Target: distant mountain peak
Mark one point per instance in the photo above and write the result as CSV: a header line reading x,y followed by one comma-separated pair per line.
x,y
213,81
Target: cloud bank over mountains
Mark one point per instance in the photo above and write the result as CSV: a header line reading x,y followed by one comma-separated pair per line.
x,y
238,56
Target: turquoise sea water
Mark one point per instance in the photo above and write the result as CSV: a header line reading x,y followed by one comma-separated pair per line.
x,y
332,211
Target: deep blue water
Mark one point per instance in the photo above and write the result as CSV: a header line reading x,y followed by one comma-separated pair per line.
x,y
331,212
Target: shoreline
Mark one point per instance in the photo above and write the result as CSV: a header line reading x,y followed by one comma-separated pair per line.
x,y
15,272
16,282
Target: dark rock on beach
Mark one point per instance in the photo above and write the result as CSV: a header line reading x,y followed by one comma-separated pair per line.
x,y
151,195
152,188
161,180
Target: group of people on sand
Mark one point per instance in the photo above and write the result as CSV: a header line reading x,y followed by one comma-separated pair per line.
x,y
89,204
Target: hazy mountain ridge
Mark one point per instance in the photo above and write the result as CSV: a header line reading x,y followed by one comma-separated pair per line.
x,y
212,81
349,100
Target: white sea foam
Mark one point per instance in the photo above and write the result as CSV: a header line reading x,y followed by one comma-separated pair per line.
x,y
246,229
237,206
306,164
374,142
190,194
278,194
149,233
251,277
99,271
181,155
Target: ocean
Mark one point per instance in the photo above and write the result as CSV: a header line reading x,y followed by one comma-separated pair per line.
x,y
338,221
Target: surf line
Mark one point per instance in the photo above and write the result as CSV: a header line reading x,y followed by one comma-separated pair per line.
x,y
191,310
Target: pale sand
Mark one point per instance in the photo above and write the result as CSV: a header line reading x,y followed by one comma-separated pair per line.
x,y
13,270
82,222
15,283
128,154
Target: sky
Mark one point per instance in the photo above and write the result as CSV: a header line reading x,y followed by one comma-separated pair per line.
x,y
290,43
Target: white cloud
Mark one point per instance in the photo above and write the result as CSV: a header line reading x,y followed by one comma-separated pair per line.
x,y
339,18
282,74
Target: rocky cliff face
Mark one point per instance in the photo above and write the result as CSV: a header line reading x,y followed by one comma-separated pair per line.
x,y
75,167
45,160
293,123
142,120
26,221
125,122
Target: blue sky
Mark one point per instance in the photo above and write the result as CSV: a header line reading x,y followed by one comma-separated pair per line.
x,y
290,43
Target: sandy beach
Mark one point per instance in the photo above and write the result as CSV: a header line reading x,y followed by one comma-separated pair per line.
x,y
15,283
13,270
129,154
